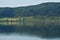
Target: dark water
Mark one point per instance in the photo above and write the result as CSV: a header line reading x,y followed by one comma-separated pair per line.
x,y
29,30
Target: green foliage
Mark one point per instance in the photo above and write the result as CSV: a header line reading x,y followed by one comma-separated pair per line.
x,y
44,9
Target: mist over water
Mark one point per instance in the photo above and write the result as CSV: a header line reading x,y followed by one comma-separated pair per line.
x,y
30,30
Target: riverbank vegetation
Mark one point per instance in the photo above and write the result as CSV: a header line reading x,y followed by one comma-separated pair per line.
x,y
31,18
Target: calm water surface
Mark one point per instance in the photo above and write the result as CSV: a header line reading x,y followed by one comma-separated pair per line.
x,y
29,30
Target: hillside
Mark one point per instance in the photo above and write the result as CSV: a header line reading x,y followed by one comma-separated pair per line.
x,y
44,9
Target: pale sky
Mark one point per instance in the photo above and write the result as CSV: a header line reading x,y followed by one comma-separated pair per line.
x,y
17,3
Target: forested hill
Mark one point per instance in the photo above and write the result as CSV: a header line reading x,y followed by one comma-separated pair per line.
x,y
44,9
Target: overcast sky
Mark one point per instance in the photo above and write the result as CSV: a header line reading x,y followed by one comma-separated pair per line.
x,y
16,3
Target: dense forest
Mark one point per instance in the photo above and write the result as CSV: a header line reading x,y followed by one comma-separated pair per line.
x,y
44,9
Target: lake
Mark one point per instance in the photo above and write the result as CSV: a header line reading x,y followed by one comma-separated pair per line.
x,y
29,30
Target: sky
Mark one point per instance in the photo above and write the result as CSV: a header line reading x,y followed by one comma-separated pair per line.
x,y
17,3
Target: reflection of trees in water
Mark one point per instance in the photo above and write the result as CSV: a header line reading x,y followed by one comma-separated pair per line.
x,y
31,23
48,30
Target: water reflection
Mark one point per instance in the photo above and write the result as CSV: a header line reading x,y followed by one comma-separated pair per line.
x,y
38,29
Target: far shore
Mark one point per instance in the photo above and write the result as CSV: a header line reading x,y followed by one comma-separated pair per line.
x,y
38,19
